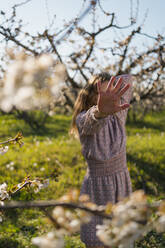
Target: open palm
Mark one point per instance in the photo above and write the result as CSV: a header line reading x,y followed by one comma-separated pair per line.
x,y
109,100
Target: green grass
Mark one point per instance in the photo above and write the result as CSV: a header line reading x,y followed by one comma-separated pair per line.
x,y
51,154
146,154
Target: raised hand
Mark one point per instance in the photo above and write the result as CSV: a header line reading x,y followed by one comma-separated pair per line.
x,y
108,101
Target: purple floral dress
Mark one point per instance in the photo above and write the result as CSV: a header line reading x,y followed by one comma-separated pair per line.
x,y
104,148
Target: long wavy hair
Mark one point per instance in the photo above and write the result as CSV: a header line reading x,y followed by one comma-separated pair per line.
x,y
85,98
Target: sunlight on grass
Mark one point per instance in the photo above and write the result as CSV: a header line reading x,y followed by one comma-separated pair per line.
x,y
53,154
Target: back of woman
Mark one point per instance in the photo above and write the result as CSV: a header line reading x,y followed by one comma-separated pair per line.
x,y
100,116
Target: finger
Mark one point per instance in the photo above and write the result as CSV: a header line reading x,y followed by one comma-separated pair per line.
x,y
110,83
126,87
123,106
99,86
118,84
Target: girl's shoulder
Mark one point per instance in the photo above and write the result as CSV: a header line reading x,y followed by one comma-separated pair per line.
x,y
79,116
87,113
81,113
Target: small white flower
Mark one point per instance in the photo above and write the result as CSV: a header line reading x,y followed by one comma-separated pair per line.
x,y
75,225
45,61
58,211
160,225
45,183
61,220
3,192
103,237
38,185
51,240
37,143
3,150
1,218
19,185
70,215
162,134
8,166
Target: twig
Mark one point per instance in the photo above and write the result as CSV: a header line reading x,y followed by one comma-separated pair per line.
x,y
23,185
14,140
17,42
20,4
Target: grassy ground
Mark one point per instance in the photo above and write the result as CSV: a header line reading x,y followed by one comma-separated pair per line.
x,y
52,154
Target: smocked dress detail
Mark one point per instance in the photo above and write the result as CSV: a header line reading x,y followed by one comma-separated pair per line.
x,y
107,177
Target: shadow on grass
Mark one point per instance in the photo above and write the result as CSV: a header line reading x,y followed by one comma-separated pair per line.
x,y
14,224
55,126
141,124
9,243
149,173
151,239
59,125
153,120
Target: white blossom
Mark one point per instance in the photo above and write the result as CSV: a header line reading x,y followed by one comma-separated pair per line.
x,y
75,225
160,224
3,149
51,240
3,192
125,226
32,83
45,61
58,211
38,185
70,219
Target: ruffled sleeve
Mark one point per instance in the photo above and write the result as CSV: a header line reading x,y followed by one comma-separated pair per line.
x,y
87,124
127,96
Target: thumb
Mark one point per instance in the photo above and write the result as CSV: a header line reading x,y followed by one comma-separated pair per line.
x,y
124,106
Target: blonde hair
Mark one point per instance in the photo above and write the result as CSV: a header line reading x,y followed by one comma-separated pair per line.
x,y
83,101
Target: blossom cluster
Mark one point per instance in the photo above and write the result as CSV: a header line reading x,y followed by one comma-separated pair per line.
x,y
36,184
69,220
39,184
31,82
51,239
131,220
4,146
3,196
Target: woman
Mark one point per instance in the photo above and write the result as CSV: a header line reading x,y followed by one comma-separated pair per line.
x,y
99,117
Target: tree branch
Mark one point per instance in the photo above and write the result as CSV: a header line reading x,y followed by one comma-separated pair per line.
x,y
51,203
12,38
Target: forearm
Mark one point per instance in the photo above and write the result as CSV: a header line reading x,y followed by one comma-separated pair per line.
x,y
88,123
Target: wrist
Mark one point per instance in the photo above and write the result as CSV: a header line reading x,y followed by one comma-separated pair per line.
x,y
99,114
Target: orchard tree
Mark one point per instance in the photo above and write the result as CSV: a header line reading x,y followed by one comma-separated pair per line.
x,y
87,55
